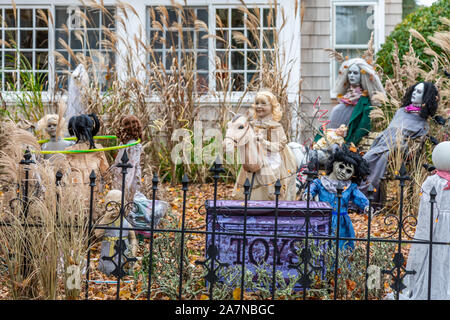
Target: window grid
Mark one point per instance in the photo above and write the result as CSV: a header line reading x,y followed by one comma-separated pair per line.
x,y
91,40
25,23
241,77
162,49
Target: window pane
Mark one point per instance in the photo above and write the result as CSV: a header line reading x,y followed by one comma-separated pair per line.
x,y
76,40
10,59
109,19
26,61
61,17
253,37
236,41
10,19
222,43
10,37
268,39
41,21
94,18
237,18
237,60
202,15
41,39
41,60
26,18
60,35
269,18
202,39
26,39
354,24
253,61
238,81
222,16
93,38
202,61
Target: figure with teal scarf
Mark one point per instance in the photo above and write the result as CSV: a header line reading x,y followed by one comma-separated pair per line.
x,y
355,86
347,168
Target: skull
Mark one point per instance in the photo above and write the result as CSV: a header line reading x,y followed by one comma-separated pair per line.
x,y
342,171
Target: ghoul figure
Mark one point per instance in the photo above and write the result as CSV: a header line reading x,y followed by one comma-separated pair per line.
x,y
346,169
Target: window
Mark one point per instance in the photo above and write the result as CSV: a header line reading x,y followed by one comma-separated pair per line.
x,y
84,38
232,64
353,24
173,34
24,51
243,59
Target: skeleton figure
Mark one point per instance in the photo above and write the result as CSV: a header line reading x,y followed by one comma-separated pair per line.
x,y
345,168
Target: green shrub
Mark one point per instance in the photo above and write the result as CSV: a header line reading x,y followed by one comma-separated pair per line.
x,y
426,22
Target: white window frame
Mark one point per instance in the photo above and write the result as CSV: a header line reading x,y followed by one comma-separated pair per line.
x,y
291,50
9,96
379,24
47,96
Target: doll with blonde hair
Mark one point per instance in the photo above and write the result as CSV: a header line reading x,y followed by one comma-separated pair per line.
x,y
279,160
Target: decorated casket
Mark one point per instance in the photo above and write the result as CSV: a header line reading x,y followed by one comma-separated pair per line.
x,y
260,232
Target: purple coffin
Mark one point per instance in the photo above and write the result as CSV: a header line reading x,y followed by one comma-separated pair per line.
x,y
261,230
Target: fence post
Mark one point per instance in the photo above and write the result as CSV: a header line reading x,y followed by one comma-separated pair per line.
x,y
124,165
246,195
398,257
150,262
58,176
433,195
370,196
92,178
216,169
185,182
275,239
339,190
26,161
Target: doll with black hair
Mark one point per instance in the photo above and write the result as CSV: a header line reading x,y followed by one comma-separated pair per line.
x,y
410,121
85,127
347,168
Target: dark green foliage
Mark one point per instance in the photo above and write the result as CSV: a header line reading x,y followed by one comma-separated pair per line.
x,y
426,22
408,6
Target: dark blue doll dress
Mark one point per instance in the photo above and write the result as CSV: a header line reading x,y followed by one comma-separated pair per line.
x,y
329,194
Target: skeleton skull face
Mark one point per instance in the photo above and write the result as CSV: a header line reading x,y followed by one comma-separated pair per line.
x,y
343,171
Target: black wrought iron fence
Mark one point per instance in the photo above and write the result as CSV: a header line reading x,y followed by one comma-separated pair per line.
x,y
319,255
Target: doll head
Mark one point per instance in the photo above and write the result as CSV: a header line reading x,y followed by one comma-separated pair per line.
x,y
347,165
342,131
84,127
425,95
266,103
130,129
357,71
441,156
48,126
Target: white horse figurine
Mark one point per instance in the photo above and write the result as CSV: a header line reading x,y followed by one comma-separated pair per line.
x,y
262,168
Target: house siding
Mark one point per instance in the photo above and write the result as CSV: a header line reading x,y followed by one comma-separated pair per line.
x,y
393,16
